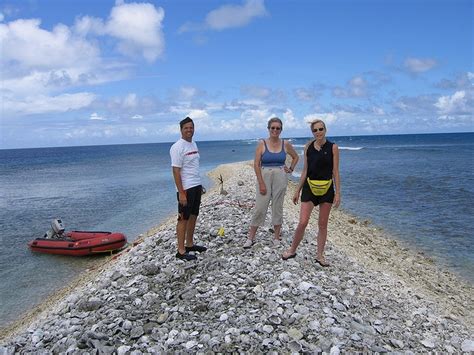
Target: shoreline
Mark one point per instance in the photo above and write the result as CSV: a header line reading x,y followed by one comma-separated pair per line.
x,y
352,242
41,309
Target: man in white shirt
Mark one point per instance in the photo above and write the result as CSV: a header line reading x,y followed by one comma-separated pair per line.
x,y
185,163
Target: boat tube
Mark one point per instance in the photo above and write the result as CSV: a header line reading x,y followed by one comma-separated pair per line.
x,y
77,243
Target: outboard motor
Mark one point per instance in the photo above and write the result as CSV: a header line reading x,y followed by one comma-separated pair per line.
x,y
57,226
57,229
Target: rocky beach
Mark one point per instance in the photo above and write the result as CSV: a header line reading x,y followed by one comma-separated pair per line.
x,y
377,296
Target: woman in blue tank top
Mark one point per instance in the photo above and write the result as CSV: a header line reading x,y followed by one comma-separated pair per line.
x,y
271,169
321,164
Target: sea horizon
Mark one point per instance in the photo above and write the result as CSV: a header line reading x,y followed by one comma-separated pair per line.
x,y
240,139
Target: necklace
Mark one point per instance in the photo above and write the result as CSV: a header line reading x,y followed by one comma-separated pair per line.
x,y
319,145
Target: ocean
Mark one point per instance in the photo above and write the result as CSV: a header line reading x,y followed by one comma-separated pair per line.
x,y
417,187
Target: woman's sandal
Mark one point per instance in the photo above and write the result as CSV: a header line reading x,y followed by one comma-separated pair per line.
x,y
288,256
323,263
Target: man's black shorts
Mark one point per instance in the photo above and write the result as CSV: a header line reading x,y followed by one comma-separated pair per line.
x,y
193,195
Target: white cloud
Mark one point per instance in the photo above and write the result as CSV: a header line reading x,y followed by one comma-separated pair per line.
x,y
421,104
94,116
198,114
308,94
249,121
37,63
172,129
28,46
112,133
130,101
27,85
141,131
200,117
229,16
328,118
256,91
304,94
290,121
137,117
191,27
249,124
187,92
418,65
45,104
461,81
179,110
230,125
184,95
356,87
87,24
264,94
51,81
137,26
378,110
254,117
124,107
454,104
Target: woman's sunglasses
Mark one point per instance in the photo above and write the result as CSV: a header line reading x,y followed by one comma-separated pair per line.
x,y
318,129
276,128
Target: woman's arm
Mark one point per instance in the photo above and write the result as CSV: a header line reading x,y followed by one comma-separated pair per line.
x,y
294,157
335,175
257,166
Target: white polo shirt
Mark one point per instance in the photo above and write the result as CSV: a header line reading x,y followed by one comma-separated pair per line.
x,y
185,155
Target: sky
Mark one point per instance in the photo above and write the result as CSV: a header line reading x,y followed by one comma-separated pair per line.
x,y
88,72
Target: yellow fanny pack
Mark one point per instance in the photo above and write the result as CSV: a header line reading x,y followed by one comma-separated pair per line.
x,y
319,187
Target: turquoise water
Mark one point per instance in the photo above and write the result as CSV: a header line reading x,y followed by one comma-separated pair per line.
x,y
418,187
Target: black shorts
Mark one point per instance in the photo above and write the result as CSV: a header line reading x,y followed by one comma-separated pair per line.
x,y
193,195
307,195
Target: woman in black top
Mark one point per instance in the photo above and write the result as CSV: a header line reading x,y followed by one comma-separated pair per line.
x,y
321,163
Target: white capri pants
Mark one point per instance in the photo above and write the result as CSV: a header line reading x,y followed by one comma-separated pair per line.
x,y
276,181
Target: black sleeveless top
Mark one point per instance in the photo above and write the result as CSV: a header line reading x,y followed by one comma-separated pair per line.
x,y
320,163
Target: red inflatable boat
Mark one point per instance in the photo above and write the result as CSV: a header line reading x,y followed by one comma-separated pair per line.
x,y
79,243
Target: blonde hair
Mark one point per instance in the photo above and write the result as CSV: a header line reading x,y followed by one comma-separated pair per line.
x,y
318,121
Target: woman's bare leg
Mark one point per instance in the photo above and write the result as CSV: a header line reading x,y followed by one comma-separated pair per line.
x,y
324,210
305,213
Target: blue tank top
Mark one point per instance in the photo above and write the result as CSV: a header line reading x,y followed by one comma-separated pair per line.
x,y
274,159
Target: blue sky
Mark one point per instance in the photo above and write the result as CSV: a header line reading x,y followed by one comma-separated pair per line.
x,y
106,72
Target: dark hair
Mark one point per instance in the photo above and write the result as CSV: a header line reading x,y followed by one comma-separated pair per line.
x,y
186,120
274,119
